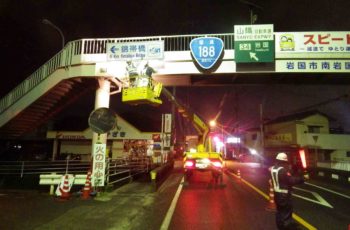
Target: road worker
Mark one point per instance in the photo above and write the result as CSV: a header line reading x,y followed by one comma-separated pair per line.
x,y
283,181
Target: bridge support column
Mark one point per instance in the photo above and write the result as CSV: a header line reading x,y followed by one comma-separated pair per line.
x,y
101,100
54,149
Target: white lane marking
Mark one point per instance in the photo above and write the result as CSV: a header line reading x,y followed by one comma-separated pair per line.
x,y
169,214
328,190
320,199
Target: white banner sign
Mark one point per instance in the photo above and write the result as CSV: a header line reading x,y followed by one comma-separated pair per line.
x,y
254,32
143,50
167,123
167,138
99,165
317,66
312,42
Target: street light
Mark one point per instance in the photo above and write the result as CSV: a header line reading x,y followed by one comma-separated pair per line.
x,y
252,6
48,22
213,124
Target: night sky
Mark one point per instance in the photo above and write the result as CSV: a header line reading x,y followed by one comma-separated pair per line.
x,y
26,43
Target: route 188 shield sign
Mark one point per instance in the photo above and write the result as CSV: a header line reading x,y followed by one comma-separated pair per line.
x,y
206,51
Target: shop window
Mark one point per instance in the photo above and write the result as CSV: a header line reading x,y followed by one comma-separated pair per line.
x,y
327,156
314,129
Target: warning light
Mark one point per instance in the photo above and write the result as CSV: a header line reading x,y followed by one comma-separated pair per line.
x,y
217,164
189,164
302,157
216,139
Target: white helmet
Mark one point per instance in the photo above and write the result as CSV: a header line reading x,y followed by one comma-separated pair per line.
x,y
282,157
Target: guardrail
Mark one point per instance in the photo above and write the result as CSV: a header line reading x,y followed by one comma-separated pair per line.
x,y
338,165
50,172
158,175
66,58
336,171
55,179
40,167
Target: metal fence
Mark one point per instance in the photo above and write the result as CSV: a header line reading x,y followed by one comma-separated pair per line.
x,y
117,169
126,168
22,168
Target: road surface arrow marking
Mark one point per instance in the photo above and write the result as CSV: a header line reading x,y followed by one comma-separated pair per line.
x,y
319,200
328,190
253,56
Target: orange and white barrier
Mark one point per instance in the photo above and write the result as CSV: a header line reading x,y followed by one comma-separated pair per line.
x,y
63,189
87,188
271,205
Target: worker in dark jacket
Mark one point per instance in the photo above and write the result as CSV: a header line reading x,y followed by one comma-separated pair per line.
x,y
283,182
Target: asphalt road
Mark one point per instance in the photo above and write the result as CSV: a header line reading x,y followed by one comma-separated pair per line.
x,y
322,204
237,205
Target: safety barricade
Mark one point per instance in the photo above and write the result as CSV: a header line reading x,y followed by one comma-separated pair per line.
x,y
54,179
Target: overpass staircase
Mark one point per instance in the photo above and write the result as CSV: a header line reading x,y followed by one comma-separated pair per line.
x,y
46,107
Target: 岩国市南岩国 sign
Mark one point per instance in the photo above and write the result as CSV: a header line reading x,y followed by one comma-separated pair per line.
x,y
254,43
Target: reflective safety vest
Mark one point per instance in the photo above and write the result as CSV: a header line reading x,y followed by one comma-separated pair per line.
x,y
275,180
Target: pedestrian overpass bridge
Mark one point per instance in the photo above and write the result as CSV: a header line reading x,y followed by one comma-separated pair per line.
x,y
72,73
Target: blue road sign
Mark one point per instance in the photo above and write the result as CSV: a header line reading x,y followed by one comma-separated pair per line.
x,y
113,49
206,51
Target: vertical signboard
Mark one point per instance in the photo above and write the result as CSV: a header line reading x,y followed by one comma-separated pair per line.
x,y
167,123
166,130
99,165
254,43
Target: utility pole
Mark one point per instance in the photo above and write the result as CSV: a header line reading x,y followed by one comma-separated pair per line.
x,y
262,136
252,6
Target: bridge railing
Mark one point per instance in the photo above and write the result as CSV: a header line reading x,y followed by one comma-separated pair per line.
x,y
74,50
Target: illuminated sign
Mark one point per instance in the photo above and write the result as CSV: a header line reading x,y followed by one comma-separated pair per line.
x,y
254,43
143,50
206,51
317,44
283,137
68,136
316,66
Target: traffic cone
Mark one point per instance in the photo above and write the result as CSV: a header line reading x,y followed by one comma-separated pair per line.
x,y
87,188
239,174
271,205
65,195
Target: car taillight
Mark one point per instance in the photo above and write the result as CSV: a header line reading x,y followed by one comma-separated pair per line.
x,y
217,164
302,157
189,164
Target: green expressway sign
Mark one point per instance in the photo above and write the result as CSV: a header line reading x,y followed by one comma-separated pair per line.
x,y
254,43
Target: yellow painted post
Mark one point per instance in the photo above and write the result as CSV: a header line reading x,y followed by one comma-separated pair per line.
x,y
52,187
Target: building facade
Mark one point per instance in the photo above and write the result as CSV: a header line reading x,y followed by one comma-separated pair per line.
x,y
309,131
